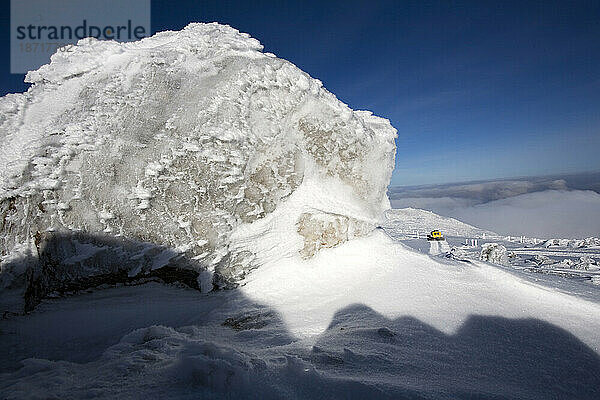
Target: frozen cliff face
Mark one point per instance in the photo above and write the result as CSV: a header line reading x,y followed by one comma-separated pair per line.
x,y
197,142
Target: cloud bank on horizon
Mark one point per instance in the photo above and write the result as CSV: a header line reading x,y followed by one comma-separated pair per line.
x,y
566,206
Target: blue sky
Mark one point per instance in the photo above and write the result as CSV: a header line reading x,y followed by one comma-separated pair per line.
x,y
477,90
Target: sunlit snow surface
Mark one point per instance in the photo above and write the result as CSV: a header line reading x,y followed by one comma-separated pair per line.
x,y
370,318
395,281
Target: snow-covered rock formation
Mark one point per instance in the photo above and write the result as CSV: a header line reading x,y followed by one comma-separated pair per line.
x,y
194,148
494,253
591,242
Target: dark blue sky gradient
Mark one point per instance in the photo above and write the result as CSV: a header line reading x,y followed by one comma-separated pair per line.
x,y
477,90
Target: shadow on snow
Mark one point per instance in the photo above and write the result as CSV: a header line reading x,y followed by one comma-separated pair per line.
x,y
488,357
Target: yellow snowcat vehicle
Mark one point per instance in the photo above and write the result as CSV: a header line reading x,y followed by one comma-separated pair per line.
x,y
435,235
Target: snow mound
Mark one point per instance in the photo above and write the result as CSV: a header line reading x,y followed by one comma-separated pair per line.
x,y
410,220
188,140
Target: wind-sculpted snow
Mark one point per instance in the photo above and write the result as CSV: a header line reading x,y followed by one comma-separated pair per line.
x,y
185,140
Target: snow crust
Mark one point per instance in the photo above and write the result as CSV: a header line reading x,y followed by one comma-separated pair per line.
x,y
185,140
369,318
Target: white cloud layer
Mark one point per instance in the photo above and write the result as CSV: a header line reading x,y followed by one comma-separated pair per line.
x,y
545,214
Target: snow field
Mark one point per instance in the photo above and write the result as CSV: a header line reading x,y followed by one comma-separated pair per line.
x,y
370,317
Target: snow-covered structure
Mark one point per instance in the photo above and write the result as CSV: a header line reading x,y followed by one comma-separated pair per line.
x,y
192,149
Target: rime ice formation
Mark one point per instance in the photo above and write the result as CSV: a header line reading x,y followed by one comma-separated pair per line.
x,y
494,253
194,148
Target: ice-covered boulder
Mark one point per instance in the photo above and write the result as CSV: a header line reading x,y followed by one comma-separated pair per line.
x,y
557,243
494,253
586,263
195,141
541,260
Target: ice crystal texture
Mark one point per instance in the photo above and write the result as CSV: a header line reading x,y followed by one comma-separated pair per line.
x,y
186,140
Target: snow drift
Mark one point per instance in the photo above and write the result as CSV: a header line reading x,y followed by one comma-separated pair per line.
x,y
195,148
